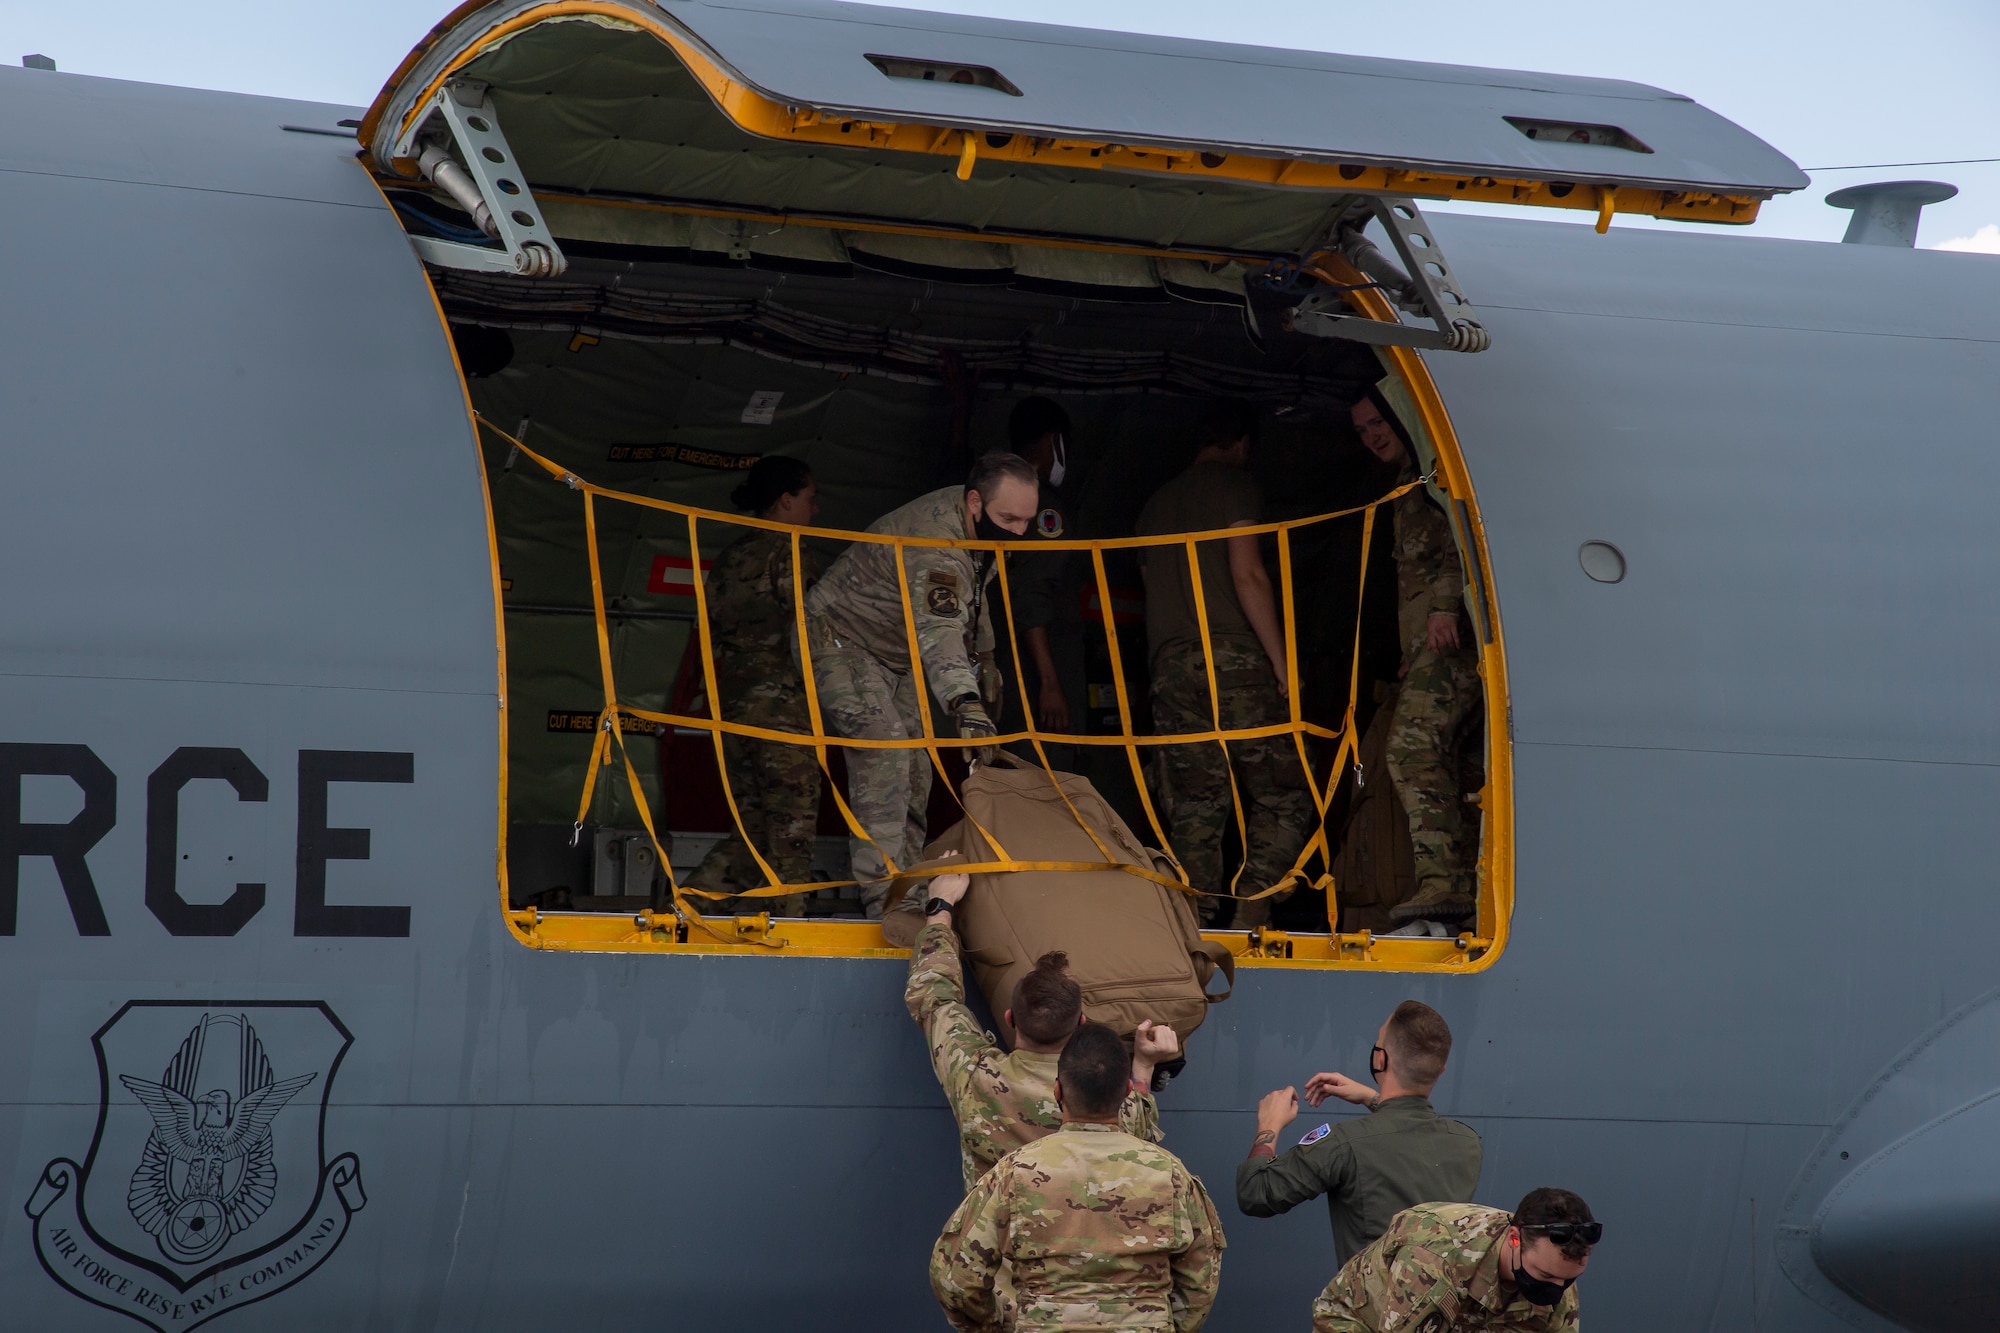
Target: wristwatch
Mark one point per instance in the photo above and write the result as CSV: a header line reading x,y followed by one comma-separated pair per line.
x,y
936,905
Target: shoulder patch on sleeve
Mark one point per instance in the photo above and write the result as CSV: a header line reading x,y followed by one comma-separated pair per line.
x,y
1315,1136
941,598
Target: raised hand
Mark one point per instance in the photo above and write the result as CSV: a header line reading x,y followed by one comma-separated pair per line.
x,y
950,887
1277,1110
1322,1086
1155,1041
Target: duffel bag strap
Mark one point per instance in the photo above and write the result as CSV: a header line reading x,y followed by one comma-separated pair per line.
x,y
1208,956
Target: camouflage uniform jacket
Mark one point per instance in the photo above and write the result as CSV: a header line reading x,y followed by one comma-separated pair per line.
x,y
1000,1100
860,604
1436,1268
1430,580
1102,1231
751,614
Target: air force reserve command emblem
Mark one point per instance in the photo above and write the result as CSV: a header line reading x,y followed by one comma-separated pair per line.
x,y
206,1187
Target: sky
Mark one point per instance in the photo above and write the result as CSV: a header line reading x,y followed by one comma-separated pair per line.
x,y
1831,83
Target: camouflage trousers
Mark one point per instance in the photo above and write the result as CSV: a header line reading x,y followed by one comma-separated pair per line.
x,y
888,790
1193,781
1436,695
776,787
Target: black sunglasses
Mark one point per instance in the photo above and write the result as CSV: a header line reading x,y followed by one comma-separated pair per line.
x,y
1568,1233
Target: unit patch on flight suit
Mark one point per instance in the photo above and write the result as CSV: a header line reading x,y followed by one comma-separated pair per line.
x,y
941,597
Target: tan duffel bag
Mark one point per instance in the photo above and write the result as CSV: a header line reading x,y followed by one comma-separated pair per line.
x,y
1134,946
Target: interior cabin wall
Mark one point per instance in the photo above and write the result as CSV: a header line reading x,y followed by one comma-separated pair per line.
x,y
678,422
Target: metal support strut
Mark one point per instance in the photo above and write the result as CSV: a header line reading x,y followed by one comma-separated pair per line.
x,y
1427,288
483,179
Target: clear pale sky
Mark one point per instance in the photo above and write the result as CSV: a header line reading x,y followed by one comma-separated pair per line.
x,y
1829,82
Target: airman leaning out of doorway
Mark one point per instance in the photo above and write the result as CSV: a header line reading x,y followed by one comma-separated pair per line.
x,y
1003,1099
752,618
1440,685
868,687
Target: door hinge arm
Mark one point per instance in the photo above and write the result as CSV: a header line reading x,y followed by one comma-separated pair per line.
x,y
482,178
1424,286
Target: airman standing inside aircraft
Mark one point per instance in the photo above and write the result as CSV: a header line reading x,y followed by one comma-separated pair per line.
x,y
1440,684
1102,1230
752,617
1468,1268
1369,1167
1051,633
859,632
1247,641
1003,1100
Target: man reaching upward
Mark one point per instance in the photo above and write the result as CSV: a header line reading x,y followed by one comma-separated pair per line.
x,y
1004,1099
1369,1167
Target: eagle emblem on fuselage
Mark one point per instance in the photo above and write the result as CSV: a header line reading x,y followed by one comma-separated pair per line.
x,y
207,1170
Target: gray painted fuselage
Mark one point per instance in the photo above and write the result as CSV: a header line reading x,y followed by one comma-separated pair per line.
x,y
1754,780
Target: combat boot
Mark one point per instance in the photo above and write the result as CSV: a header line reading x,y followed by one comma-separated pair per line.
x,y
1251,914
1435,900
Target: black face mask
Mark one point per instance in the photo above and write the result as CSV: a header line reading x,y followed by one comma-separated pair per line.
x,y
987,530
1538,1290
1374,1074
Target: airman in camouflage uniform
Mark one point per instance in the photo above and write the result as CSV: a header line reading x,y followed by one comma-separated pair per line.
x,y
1194,780
1001,1100
1440,687
751,616
1199,785
861,666
1436,1269
1102,1231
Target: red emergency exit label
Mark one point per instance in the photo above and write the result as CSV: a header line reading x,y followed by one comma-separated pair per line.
x,y
1128,606
673,575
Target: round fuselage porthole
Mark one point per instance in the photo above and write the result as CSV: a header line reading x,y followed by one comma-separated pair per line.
x,y
1602,561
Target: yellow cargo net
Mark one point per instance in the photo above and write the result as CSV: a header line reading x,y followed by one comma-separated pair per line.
x,y
609,732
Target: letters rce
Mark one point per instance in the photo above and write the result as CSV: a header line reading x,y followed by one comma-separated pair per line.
x,y
67,844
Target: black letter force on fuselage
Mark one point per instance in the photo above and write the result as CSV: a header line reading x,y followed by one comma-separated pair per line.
x,y
319,844
163,841
67,844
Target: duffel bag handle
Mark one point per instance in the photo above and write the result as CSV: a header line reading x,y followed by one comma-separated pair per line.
x,y
1215,956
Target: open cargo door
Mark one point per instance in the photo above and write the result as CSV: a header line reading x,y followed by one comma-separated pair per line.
x,y
843,234
795,124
